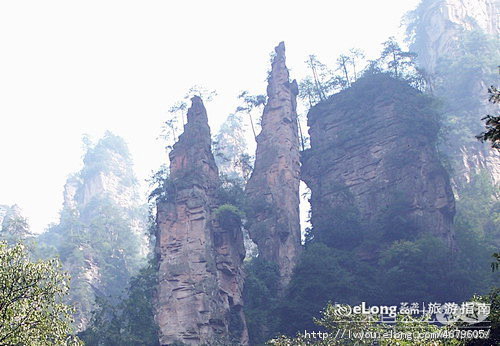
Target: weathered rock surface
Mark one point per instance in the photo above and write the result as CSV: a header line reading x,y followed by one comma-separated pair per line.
x,y
199,298
273,188
443,21
101,235
441,26
373,149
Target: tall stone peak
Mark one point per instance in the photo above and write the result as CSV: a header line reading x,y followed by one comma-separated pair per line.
x,y
200,280
107,173
273,188
101,205
373,168
192,155
279,88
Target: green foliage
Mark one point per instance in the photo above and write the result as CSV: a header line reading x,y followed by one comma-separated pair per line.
x,y
231,191
492,298
249,105
344,329
31,311
163,188
339,227
456,83
394,221
236,324
325,82
492,123
130,322
173,126
261,299
400,64
419,113
389,260
229,217
423,269
410,272
322,274
98,241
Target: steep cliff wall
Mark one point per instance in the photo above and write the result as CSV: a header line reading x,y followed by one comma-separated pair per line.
x,y
442,22
273,188
373,169
100,236
451,39
199,297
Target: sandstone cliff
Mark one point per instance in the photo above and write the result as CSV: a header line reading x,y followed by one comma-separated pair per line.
x,y
373,164
273,188
441,29
199,298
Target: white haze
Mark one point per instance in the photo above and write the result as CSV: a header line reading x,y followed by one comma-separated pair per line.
x,y
69,68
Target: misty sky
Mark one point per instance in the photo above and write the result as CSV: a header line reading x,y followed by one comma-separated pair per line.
x,y
69,68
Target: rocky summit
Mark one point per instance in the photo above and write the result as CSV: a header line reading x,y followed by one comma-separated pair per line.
x,y
199,299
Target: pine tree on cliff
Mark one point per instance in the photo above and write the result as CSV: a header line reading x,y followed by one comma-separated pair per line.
x,y
492,133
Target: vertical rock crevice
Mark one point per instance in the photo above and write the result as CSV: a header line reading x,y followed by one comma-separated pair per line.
x,y
199,298
273,188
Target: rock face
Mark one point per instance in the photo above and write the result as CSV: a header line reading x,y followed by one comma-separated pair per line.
x,y
373,151
440,28
273,188
443,21
101,234
199,298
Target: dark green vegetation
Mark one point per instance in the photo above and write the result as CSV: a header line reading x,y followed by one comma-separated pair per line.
x,y
492,123
408,266
31,311
130,321
338,329
325,81
492,298
261,299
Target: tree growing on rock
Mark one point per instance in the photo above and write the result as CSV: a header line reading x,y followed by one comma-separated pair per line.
x,y
492,123
172,127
